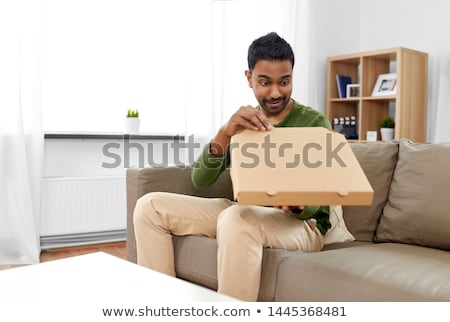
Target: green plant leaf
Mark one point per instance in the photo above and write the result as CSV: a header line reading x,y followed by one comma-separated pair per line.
x,y
387,122
133,113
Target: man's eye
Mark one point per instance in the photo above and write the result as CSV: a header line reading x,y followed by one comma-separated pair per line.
x,y
264,83
285,83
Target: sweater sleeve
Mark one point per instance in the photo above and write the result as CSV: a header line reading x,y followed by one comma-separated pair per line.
x,y
208,167
322,121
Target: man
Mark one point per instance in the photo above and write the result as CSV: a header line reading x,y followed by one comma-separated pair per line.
x,y
241,231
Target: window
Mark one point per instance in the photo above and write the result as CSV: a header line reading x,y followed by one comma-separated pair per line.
x,y
180,63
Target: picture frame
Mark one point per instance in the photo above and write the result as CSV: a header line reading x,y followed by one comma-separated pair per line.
x,y
371,136
353,90
386,85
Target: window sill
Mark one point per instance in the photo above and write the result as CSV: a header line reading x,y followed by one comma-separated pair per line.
x,y
110,136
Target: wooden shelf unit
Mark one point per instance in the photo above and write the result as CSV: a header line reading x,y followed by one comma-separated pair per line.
x,y
408,106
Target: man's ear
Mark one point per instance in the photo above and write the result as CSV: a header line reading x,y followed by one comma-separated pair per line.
x,y
248,75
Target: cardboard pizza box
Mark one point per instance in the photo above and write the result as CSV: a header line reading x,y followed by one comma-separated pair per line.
x,y
296,166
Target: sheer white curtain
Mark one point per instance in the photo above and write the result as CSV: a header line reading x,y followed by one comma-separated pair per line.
x,y
21,136
223,87
439,96
235,25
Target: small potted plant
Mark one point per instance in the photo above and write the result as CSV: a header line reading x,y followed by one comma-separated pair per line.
x,y
132,122
387,125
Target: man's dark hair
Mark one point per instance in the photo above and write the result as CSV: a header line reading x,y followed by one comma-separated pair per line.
x,y
269,47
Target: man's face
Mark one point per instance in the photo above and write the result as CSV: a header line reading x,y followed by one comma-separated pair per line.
x,y
271,82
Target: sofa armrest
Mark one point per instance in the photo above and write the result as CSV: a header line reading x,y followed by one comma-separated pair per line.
x,y
140,181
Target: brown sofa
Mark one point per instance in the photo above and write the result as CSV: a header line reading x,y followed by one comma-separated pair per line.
x,y
401,246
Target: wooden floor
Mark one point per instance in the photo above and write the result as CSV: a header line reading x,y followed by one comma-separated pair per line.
x,y
116,249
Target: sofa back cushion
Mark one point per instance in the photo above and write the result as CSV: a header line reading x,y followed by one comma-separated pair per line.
x,y
418,207
377,159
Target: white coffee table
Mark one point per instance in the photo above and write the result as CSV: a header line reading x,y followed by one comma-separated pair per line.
x,y
92,282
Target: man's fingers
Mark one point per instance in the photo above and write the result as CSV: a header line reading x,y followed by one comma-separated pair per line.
x,y
256,119
250,118
264,123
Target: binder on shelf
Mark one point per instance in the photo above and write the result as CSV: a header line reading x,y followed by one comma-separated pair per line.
x,y
342,82
346,125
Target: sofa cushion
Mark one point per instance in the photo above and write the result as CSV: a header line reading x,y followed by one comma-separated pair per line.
x,y
378,161
338,233
375,272
196,261
418,207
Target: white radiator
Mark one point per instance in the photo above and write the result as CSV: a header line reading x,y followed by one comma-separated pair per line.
x,y
78,211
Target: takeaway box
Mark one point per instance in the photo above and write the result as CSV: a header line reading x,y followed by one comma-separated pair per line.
x,y
296,166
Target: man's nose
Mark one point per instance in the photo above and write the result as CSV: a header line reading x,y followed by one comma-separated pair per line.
x,y
275,92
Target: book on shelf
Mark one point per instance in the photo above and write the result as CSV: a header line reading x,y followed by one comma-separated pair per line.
x,y
342,82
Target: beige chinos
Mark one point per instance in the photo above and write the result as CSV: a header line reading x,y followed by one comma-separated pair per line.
x,y
241,233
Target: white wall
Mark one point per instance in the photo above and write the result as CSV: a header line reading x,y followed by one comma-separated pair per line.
x,y
333,30
417,24
349,26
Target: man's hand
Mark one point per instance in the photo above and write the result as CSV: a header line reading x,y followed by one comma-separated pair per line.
x,y
246,117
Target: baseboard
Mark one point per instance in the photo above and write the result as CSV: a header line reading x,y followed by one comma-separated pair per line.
x,y
70,240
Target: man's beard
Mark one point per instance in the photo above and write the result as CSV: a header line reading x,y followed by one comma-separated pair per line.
x,y
274,111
